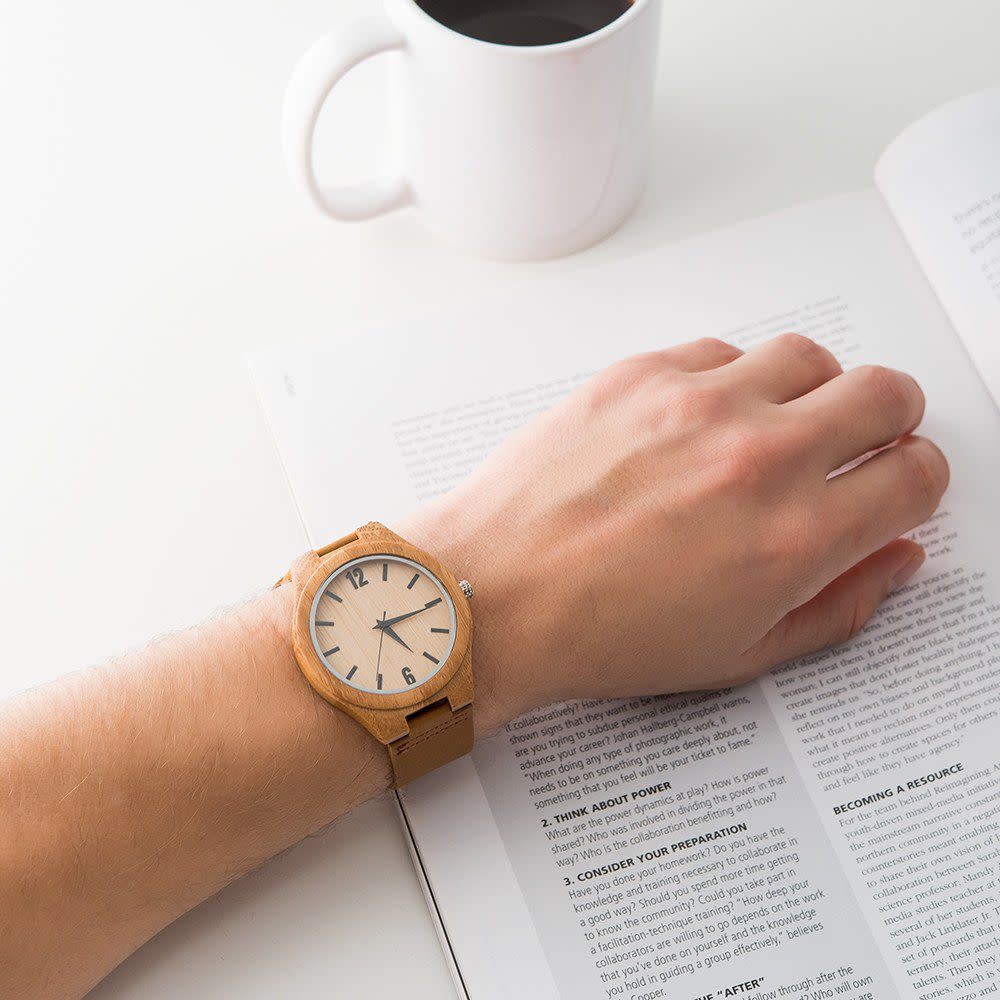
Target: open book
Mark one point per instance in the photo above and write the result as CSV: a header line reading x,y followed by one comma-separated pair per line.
x,y
832,830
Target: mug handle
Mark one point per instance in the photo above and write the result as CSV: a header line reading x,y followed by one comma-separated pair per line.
x,y
315,75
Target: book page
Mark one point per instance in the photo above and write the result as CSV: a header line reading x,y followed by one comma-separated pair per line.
x,y
756,842
941,180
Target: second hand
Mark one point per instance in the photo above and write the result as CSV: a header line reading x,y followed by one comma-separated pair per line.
x,y
378,662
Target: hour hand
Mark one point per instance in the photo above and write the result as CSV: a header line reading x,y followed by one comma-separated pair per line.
x,y
387,629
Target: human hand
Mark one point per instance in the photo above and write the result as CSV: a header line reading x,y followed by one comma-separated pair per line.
x,y
672,526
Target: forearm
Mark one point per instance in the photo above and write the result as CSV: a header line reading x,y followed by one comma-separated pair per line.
x,y
138,788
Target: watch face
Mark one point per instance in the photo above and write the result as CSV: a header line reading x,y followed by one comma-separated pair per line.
x,y
383,624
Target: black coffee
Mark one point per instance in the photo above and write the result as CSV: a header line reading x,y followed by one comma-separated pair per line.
x,y
525,22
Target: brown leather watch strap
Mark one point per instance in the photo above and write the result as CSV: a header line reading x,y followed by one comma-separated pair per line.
x,y
437,736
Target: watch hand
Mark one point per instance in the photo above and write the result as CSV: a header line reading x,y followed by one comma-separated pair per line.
x,y
387,630
378,662
399,618
409,614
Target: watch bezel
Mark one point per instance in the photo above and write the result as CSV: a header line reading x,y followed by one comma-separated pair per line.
x,y
339,692
398,561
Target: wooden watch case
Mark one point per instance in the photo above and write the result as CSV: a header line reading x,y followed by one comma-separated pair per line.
x,y
382,715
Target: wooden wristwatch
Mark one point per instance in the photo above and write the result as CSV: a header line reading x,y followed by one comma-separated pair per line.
x,y
383,632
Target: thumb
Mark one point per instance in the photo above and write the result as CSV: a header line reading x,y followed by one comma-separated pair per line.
x,y
840,610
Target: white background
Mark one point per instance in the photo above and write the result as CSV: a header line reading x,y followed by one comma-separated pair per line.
x,y
148,240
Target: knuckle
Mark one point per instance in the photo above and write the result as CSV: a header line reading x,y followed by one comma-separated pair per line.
x,y
892,391
807,351
619,380
648,394
944,468
644,364
915,393
714,345
626,371
925,471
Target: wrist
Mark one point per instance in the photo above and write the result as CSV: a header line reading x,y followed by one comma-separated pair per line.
x,y
311,737
507,682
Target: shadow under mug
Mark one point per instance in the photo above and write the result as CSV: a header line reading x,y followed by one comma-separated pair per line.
x,y
508,151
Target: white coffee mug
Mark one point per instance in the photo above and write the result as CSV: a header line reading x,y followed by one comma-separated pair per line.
x,y
506,150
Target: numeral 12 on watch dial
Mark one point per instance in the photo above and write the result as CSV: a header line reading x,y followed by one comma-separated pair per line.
x,y
383,624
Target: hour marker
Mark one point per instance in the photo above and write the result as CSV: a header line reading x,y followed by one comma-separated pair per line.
x,y
443,631
351,672
379,682
433,659
330,652
327,624
334,597
385,571
430,604
416,576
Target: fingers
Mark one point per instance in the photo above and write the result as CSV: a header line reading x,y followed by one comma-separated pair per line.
x,y
700,355
839,611
860,411
786,367
882,498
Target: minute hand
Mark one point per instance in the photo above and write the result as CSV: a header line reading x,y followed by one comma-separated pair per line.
x,y
402,618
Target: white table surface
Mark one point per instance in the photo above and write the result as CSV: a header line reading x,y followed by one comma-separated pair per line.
x,y
148,240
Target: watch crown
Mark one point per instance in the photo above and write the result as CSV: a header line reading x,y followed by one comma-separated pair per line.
x,y
466,589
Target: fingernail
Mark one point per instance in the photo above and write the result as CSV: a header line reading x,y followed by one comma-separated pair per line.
x,y
909,568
